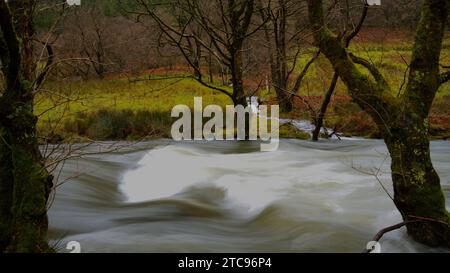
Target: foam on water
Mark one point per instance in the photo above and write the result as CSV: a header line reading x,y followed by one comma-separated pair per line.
x,y
230,197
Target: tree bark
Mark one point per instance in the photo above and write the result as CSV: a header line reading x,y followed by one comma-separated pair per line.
x,y
403,121
210,65
31,184
417,188
25,183
285,100
277,52
323,109
237,79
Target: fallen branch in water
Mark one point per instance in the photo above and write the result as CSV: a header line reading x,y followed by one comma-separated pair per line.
x,y
381,233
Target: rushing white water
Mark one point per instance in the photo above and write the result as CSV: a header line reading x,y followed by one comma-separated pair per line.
x,y
230,197
308,127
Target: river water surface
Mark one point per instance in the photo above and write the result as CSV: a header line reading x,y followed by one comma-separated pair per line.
x,y
162,196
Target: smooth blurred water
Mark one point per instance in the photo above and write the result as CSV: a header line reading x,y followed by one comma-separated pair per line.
x,y
163,196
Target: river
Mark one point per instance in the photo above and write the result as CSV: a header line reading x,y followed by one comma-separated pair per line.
x,y
163,196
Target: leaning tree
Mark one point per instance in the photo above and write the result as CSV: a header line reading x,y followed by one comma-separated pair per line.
x,y
402,120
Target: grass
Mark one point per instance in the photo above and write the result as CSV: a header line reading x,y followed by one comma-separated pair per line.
x,y
101,109
120,124
119,94
288,130
95,109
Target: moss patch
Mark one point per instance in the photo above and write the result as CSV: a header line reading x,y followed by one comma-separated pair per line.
x,y
290,131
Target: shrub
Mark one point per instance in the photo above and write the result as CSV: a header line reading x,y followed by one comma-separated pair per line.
x,y
119,124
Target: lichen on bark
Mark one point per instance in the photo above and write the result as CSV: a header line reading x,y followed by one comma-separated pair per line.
x,y
403,120
25,183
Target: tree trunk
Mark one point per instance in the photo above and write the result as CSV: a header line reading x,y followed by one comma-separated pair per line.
x,y
25,183
197,52
284,99
277,51
417,188
31,184
210,68
324,107
403,120
237,80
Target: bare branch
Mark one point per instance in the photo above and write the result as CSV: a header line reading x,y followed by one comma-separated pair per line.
x,y
301,76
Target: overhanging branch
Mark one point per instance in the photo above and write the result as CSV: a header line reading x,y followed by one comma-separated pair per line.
x,y
301,76
349,37
372,69
50,59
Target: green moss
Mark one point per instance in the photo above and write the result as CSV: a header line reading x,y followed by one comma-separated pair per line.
x,y
290,131
29,202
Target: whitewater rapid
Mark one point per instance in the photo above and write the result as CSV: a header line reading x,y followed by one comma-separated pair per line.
x,y
163,196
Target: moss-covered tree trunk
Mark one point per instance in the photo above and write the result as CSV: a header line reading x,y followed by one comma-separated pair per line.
x,y
31,184
25,183
417,188
403,121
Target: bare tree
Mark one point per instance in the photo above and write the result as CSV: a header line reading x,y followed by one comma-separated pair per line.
x,y
224,33
284,49
92,29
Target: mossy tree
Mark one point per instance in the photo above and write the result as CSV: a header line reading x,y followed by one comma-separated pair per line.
x,y
25,183
402,120
347,36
